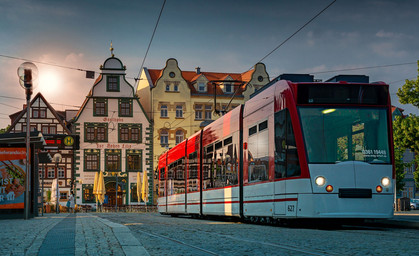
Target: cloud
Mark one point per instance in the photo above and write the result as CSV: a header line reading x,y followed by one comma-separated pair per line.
x,y
388,49
384,34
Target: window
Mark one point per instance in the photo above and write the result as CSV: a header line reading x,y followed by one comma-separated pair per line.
x,y
228,88
113,160
176,177
208,111
39,112
134,195
176,88
61,172
167,87
49,129
163,111
202,87
63,195
51,172
125,107
193,181
198,112
129,133
134,160
179,137
164,138
258,157
88,196
287,163
100,107
179,111
41,172
97,132
112,84
91,160
345,134
33,128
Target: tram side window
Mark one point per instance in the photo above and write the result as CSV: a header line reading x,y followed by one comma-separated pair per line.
x,y
258,152
193,172
207,165
287,163
162,182
176,177
231,165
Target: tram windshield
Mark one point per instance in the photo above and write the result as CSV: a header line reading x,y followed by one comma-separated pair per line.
x,y
345,134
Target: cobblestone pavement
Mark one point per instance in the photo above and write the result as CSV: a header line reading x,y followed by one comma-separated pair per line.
x,y
67,234
165,235
155,234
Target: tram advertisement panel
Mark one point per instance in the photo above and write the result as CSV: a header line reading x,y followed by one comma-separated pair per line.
x,y
12,178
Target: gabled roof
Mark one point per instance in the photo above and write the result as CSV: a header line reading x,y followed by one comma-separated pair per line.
x,y
191,77
59,115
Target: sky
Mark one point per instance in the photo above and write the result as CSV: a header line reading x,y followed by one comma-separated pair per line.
x,y
216,35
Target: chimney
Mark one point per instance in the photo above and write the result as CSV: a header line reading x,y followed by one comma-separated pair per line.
x,y
198,70
24,106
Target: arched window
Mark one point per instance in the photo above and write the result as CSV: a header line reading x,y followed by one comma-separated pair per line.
x,y
164,137
179,137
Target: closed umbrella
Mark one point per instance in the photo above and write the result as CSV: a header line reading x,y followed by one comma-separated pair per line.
x,y
54,192
101,191
144,188
139,186
95,185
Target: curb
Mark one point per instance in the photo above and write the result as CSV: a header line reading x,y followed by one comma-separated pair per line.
x,y
130,245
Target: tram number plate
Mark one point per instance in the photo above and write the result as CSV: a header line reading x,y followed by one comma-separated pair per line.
x,y
291,208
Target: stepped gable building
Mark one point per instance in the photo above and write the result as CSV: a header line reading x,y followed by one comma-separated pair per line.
x,y
115,137
44,118
180,103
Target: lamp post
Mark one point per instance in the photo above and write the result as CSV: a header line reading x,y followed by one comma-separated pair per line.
x,y
57,160
28,74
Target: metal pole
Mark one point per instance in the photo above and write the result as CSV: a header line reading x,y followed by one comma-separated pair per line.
x,y
116,193
43,175
28,172
57,193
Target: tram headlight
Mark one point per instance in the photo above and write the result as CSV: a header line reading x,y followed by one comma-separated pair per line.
x,y
320,181
385,182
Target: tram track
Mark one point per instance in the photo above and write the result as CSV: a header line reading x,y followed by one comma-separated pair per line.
x,y
288,248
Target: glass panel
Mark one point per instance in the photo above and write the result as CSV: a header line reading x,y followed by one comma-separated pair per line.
x,y
350,134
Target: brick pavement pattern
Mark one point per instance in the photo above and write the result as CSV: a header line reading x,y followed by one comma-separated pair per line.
x,y
67,234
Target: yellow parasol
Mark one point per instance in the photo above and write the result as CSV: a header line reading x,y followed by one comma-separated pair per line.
x,y
139,186
101,191
95,185
144,188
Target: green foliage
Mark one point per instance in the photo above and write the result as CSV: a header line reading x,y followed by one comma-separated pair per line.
x,y
398,154
409,92
3,130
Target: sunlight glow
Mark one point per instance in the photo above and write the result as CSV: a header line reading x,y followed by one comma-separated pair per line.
x,y
49,82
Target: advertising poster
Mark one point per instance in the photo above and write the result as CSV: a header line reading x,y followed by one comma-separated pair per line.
x,y
12,177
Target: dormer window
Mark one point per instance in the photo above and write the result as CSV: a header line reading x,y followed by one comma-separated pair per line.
x,y
112,84
202,87
228,88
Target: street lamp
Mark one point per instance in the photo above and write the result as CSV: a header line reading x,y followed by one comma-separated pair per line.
x,y
57,160
28,76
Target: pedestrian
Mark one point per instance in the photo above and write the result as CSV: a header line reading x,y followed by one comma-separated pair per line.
x,y
70,203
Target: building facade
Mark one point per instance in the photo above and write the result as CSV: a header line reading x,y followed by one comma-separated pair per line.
x,y
44,118
115,137
179,103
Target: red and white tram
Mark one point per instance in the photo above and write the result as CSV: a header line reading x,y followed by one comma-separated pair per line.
x,y
294,150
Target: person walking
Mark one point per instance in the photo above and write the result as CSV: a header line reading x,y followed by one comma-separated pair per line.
x,y
70,204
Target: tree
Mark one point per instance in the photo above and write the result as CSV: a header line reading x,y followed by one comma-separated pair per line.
x,y
409,92
3,130
406,129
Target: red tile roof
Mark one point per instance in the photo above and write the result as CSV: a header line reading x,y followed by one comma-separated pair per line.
x,y
192,76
